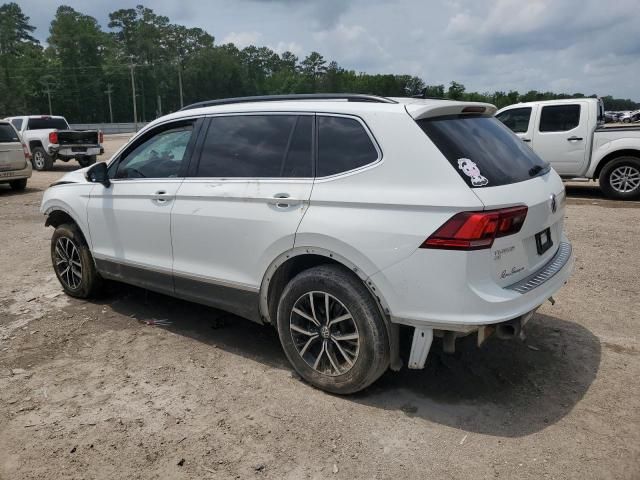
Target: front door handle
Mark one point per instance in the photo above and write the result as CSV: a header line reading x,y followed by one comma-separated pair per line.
x,y
526,140
571,139
161,196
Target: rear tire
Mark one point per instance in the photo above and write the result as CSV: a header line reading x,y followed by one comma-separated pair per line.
x,y
620,178
18,185
40,159
73,263
327,354
86,161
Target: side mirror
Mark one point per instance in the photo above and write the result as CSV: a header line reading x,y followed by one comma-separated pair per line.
x,y
98,174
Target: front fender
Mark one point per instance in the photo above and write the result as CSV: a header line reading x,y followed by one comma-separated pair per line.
x,y
72,199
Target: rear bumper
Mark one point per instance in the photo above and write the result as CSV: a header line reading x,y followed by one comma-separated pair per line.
x,y
432,290
68,151
10,175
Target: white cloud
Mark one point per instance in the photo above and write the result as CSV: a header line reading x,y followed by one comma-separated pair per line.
x,y
242,39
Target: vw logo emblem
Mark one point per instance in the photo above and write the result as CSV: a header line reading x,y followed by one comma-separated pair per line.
x,y
552,202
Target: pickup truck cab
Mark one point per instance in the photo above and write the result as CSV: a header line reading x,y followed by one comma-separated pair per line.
x,y
571,136
49,138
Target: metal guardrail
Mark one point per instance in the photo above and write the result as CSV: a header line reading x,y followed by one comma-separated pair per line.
x,y
108,128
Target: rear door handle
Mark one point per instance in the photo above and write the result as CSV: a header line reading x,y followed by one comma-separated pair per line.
x,y
526,140
571,139
283,200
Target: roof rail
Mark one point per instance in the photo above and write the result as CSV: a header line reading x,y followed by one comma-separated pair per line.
x,y
349,97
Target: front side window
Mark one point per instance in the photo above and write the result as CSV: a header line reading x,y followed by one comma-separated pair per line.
x,y
343,145
17,122
160,156
258,146
8,134
517,119
559,118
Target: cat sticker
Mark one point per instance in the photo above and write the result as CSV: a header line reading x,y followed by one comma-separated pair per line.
x,y
472,171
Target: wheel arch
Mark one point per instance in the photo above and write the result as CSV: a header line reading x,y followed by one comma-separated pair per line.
x,y
298,259
35,143
57,215
628,152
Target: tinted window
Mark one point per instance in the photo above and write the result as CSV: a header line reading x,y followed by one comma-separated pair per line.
x,y
257,146
17,122
517,119
158,157
45,123
343,144
8,134
483,151
559,118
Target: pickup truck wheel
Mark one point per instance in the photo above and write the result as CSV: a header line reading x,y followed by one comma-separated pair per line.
x,y
620,178
86,161
18,185
73,263
332,331
40,159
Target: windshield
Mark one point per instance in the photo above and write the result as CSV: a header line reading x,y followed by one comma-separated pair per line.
x,y
484,152
46,123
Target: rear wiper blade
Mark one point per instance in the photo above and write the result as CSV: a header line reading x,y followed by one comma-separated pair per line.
x,y
536,169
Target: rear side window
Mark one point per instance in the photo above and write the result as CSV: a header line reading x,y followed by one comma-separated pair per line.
x,y
45,123
559,118
8,134
484,152
343,144
517,119
258,146
17,122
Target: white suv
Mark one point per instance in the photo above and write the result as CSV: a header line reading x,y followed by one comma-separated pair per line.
x,y
334,218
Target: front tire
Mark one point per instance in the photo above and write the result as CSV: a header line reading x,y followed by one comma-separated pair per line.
x,y
18,185
40,159
73,263
332,331
620,178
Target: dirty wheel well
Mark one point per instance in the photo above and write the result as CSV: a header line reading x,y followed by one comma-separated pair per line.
x,y
612,156
58,217
285,272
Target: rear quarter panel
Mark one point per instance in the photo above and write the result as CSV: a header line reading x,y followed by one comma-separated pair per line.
x,y
607,142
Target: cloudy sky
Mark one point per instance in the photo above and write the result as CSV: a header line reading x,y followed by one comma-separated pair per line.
x,y
589,46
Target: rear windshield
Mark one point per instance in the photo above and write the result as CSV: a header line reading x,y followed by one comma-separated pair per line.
x,y
8,134
484,152
47,123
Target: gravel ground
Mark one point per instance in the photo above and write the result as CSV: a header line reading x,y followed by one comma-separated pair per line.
x,y
96,390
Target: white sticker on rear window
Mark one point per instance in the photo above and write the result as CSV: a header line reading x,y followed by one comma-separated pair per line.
x,y
471,170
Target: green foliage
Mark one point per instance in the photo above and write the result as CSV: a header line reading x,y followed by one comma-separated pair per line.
x,y
83,64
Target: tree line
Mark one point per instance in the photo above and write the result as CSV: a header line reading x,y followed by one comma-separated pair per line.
x,y
88,74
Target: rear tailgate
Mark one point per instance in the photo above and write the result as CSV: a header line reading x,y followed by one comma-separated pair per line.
x,y
78,138
515,257
11,152
503,172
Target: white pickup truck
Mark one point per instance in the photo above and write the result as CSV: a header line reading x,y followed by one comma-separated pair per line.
x,y
571,136
49,138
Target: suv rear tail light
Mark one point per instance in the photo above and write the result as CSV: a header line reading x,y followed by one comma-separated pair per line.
x,y
476,230
27,155
53,137
100,136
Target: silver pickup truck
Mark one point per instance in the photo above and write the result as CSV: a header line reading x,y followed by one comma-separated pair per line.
x,y
49,138
570,134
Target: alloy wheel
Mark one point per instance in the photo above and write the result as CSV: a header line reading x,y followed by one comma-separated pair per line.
x,y
324,333
67,263
38,160
625,179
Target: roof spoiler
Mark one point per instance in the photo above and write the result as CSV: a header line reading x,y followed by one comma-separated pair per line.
x,y
421,111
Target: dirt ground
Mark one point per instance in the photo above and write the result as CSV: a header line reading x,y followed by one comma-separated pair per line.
x,y
95,390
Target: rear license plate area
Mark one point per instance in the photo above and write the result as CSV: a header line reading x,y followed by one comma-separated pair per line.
x,y
543,240
78,149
